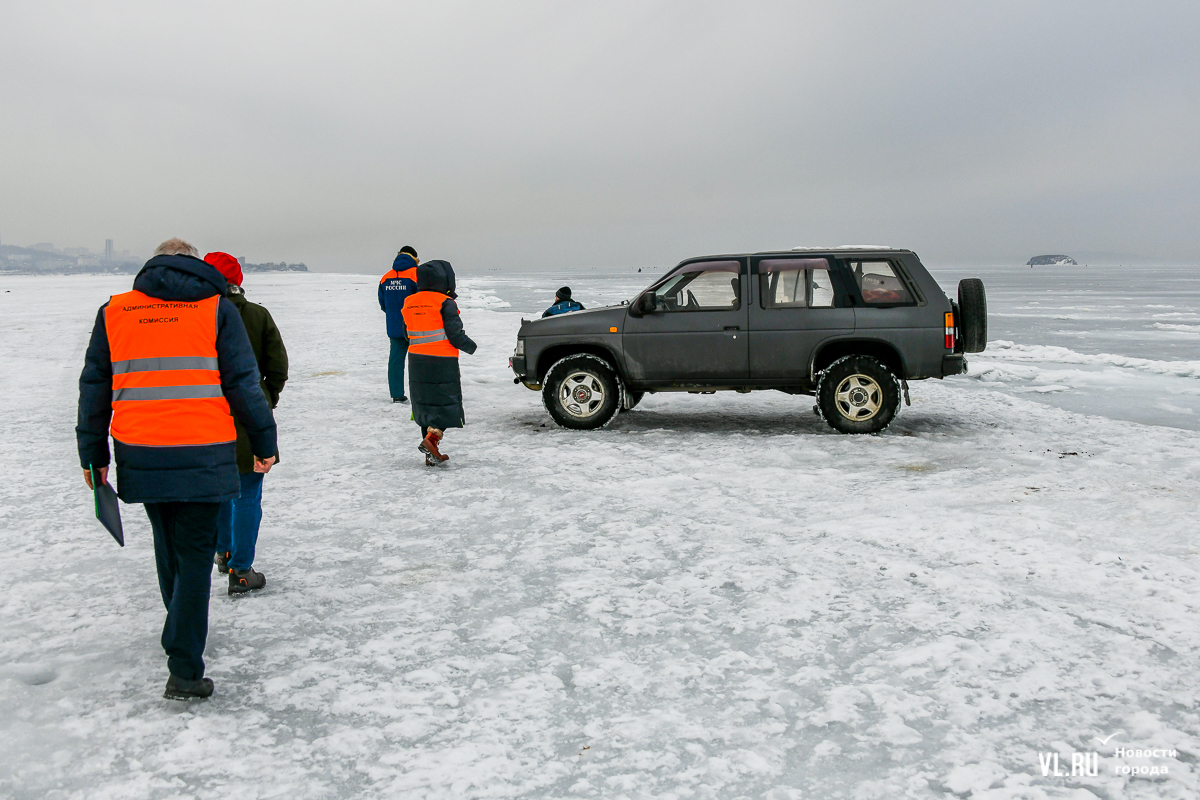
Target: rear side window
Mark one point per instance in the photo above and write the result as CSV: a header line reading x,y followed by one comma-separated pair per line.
x,y
879,283
795,283
701,286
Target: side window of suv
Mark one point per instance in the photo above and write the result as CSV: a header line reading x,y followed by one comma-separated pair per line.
x,y
879,283
795,283
702,286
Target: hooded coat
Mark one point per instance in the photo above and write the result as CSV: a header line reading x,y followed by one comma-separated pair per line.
x,y
192,473
434,382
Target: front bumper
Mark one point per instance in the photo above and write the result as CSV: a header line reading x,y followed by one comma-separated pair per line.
x,y
517,364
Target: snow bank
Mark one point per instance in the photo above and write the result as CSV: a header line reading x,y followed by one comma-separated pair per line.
x,y
1009,351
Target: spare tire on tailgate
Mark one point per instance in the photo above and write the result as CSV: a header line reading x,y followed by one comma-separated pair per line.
x,y
972,307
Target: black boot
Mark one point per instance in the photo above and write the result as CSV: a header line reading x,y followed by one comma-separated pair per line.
x,y
222,562
183,689
242,581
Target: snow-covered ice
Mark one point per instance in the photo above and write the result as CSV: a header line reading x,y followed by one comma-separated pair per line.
x,y
715,597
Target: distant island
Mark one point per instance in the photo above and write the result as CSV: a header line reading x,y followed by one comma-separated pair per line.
x,y
269,267
46,259
1052,261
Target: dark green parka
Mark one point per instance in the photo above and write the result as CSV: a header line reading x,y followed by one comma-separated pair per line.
x,y
272,363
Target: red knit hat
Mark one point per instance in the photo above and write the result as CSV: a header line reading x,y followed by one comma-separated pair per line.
x,y
227,265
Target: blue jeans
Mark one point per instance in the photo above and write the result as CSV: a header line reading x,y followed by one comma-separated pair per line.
x,y
237,524
396,367
184,536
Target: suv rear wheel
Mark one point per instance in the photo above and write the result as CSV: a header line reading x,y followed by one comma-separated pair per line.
x,y
581,392
858,394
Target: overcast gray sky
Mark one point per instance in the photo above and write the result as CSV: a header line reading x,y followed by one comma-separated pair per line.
x,y
549,135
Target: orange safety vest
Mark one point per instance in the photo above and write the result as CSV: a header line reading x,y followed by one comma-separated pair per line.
x,y
423,319
166,381
410,273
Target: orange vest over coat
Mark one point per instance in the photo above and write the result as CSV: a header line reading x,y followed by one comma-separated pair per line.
x,y
423,319
166,381
410,273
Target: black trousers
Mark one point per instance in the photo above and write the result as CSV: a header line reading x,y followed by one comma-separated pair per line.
x,y
185,538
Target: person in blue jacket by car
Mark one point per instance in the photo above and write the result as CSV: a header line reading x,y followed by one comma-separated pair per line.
x,y
394,289
563,303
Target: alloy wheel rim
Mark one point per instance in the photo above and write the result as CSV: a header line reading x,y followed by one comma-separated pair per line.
x,y
858,397
581,394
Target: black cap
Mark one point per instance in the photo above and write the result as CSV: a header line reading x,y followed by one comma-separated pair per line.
x,y
564,293
409,250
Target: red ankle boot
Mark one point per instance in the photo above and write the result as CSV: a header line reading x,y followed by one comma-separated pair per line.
x,y
429,446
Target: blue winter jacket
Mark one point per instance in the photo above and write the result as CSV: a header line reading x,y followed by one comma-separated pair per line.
x,y
562,307
394,289
190,473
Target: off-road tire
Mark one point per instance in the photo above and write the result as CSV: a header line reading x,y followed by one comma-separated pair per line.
x,y
581,392
972,308
632,398
858,394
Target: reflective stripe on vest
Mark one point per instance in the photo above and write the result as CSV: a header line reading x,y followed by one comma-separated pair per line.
x,y
425,337
166,377
423,319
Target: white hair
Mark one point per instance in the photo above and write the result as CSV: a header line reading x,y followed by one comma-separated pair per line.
x,y
176,247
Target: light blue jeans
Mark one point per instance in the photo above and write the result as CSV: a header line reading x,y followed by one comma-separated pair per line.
x,y
237,523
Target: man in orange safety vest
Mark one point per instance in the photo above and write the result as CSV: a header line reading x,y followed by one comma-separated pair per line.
x,y
167,365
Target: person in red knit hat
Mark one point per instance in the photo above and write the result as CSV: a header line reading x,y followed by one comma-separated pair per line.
x,y
238,522
227,265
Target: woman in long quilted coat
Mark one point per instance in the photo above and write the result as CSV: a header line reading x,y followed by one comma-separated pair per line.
x,y
435,336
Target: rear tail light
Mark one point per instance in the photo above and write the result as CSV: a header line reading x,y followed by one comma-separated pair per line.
x,y
949,330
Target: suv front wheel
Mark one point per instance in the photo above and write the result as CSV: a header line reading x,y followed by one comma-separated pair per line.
x,y
581,392
858,394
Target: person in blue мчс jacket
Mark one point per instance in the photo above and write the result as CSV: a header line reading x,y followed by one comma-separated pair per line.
x,y
394,288
186,465
563,303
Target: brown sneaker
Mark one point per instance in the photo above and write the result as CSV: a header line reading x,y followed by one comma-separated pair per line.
x,y
429,446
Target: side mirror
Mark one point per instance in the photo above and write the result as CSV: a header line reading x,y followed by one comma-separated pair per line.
x,y
644,304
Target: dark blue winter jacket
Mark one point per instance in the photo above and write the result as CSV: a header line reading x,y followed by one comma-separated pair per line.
x,y
562,307
192,473
394,288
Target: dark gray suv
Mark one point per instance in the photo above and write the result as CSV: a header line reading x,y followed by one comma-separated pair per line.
x,y
850,325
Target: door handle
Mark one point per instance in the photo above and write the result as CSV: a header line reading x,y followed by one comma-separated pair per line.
x,y
733,327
